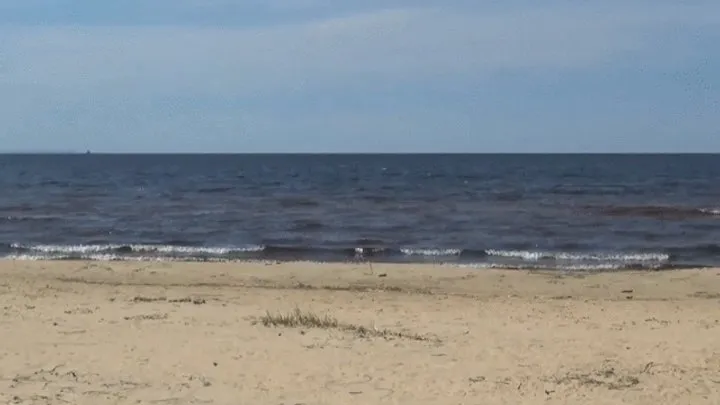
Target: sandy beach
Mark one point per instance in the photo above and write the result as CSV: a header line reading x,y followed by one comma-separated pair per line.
x,y
192,333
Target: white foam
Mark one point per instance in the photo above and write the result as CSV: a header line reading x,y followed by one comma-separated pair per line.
x,y
431,252
26,257
39,217
615,257
196,249
519,254
66,248
139,248
105,257
710,211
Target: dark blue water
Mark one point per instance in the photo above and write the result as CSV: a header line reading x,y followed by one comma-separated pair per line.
x,y
526,211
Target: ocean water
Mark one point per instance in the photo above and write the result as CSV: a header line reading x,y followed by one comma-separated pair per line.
x,y
592,212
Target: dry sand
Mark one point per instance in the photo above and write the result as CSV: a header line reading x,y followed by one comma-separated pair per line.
x,y
183,333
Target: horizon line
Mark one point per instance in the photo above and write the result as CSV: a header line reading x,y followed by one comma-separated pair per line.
x,y
90,152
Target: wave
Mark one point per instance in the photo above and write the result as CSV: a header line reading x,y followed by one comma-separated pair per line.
x,y
703,250
109,257
136,248
431,252
659,212
213,190
493,258
607,257
30,218
296,202
711,211
306,226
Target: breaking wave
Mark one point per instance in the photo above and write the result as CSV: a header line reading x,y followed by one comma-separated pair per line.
x,y
136,248
481,258
605,257
431,252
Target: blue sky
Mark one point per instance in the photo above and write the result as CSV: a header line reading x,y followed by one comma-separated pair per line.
x,y
360,76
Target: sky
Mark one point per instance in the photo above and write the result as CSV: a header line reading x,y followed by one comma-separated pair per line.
x,y
360,76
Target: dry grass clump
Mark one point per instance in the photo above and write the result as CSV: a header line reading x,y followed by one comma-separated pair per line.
x,y
297,318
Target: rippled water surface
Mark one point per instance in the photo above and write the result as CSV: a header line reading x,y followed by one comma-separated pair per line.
x,y
558,211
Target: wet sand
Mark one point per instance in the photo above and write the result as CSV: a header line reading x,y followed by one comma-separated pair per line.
x,y
192,333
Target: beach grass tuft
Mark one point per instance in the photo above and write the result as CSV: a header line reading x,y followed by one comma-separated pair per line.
x,y
298,318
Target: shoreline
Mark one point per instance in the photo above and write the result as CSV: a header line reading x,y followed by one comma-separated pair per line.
x,y
480,266
89,332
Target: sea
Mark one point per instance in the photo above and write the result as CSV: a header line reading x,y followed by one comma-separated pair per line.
x,y
564,212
